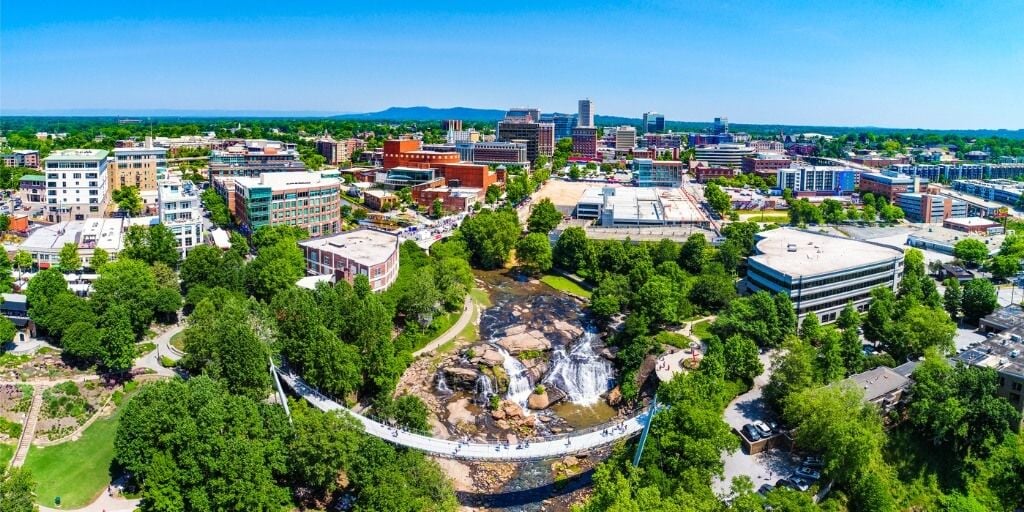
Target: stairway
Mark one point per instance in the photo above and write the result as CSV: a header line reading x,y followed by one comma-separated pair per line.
x,y
28,431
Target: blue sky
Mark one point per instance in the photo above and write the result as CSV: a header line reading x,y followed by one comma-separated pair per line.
x,y
929,64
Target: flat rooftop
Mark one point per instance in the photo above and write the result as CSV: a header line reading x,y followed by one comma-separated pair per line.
x,y
645,204
365,246
797,253
973,222
288,180
1003,352
77,154
878,382
108,234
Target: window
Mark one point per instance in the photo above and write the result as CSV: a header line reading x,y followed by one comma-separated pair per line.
x,y
1016,386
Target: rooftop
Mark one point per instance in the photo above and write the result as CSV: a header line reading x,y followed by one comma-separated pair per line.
x,y
645,204
77,154
288,180
971,222
889,180
798,253
1005,317
105,233
365,246
1001,352
33,177
878,382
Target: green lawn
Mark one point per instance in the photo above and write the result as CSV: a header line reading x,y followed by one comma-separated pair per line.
x,y
178,341
563,284
700,329
77,471
6,453
768,217
481,297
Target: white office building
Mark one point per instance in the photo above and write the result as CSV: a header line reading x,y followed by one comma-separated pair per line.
x,y
76,184
586,114
723,155
181,211
625,138
821,273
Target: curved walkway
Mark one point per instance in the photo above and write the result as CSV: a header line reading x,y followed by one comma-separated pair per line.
x,y
534,450
453,331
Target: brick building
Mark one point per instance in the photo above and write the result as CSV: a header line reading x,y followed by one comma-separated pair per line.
x,y
367,252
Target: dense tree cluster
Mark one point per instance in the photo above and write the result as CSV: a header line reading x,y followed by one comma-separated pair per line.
x,y
195,446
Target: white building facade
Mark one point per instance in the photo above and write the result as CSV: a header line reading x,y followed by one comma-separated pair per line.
x,y
76,184
181,211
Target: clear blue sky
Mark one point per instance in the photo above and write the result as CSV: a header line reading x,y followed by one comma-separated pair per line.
x,y
929,64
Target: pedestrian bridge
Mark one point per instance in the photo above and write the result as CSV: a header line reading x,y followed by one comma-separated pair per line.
x,y
547,448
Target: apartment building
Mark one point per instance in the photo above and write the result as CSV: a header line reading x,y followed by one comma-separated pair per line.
x,y
338,151
584,141
139,167
814,178
180,209
21,158
76,184
303,199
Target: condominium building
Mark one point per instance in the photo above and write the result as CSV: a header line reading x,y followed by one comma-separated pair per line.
x,y
1004,354
303,199
658,173
724,155
1001,190
662,140
625,138
814,178
821,273
584,141
539,137
457,136
367,252
138,167
451,125
509,153
254,157
930,208
564,123
338,151
653,122
76,184
21,158
586,114
181,211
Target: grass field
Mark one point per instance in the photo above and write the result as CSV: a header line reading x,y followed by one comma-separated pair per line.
x,y
77,471
565,285
778,218
6,453
700,329
178,341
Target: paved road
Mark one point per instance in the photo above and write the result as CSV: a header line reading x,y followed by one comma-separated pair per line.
x,y
453,331
535,450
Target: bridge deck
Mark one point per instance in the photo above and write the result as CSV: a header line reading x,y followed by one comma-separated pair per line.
x,y
535,450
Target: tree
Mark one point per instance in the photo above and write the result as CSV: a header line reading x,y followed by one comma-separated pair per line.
x,y
810,329
437,209
275,268
793,370
128,200
490,237
17,490
99,258
852,350
880,314
69,261
492,195
127,282
979,299
717,199
848,317
918,329
23,260
119,339
324,446
742,359
1005,266
831,364
892,213
214,203
268,236
971,250
543,217
572,251
713,291
152,244
952,297
534,253
832,211
695,253
221,343
657,300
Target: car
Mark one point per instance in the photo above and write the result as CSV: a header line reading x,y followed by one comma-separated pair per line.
x,y
814,461
764,429
798,482
751,432
809,472
765,489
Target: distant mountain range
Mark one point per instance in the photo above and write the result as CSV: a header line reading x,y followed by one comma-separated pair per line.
x,y
428,114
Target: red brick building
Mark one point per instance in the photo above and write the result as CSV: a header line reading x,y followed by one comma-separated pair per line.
x,y
704,173
765,164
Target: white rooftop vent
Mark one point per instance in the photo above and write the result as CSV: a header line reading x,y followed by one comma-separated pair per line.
x,y
1015,353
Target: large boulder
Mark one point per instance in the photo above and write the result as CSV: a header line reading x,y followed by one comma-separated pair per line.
x,y
523,341
486,355
614,396
538,402
461,378
537,368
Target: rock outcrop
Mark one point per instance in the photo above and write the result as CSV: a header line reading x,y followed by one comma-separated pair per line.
x,y
538,401
523,340
461,378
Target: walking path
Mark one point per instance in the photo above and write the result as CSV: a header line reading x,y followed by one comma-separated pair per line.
x,y
549,448
28,430
467,315
151,360
105,503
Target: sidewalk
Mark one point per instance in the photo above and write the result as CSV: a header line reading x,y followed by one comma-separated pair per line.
x,y
453,331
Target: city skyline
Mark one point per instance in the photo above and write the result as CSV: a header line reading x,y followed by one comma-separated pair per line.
x,y
830,65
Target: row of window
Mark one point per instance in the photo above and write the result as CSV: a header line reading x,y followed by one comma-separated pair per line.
x,y
72,165
74,176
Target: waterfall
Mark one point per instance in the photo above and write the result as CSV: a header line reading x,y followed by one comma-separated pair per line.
x,y
582,374
484,389
442,384
519,387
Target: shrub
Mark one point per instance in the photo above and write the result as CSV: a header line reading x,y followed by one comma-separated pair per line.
x,y
539,389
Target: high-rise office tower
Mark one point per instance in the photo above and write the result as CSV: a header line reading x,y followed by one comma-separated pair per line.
x,y
721,125
586,117
653,122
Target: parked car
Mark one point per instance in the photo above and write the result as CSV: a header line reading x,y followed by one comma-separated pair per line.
x,y
752,432
764,429
798,482
765,489
809,472
814,461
